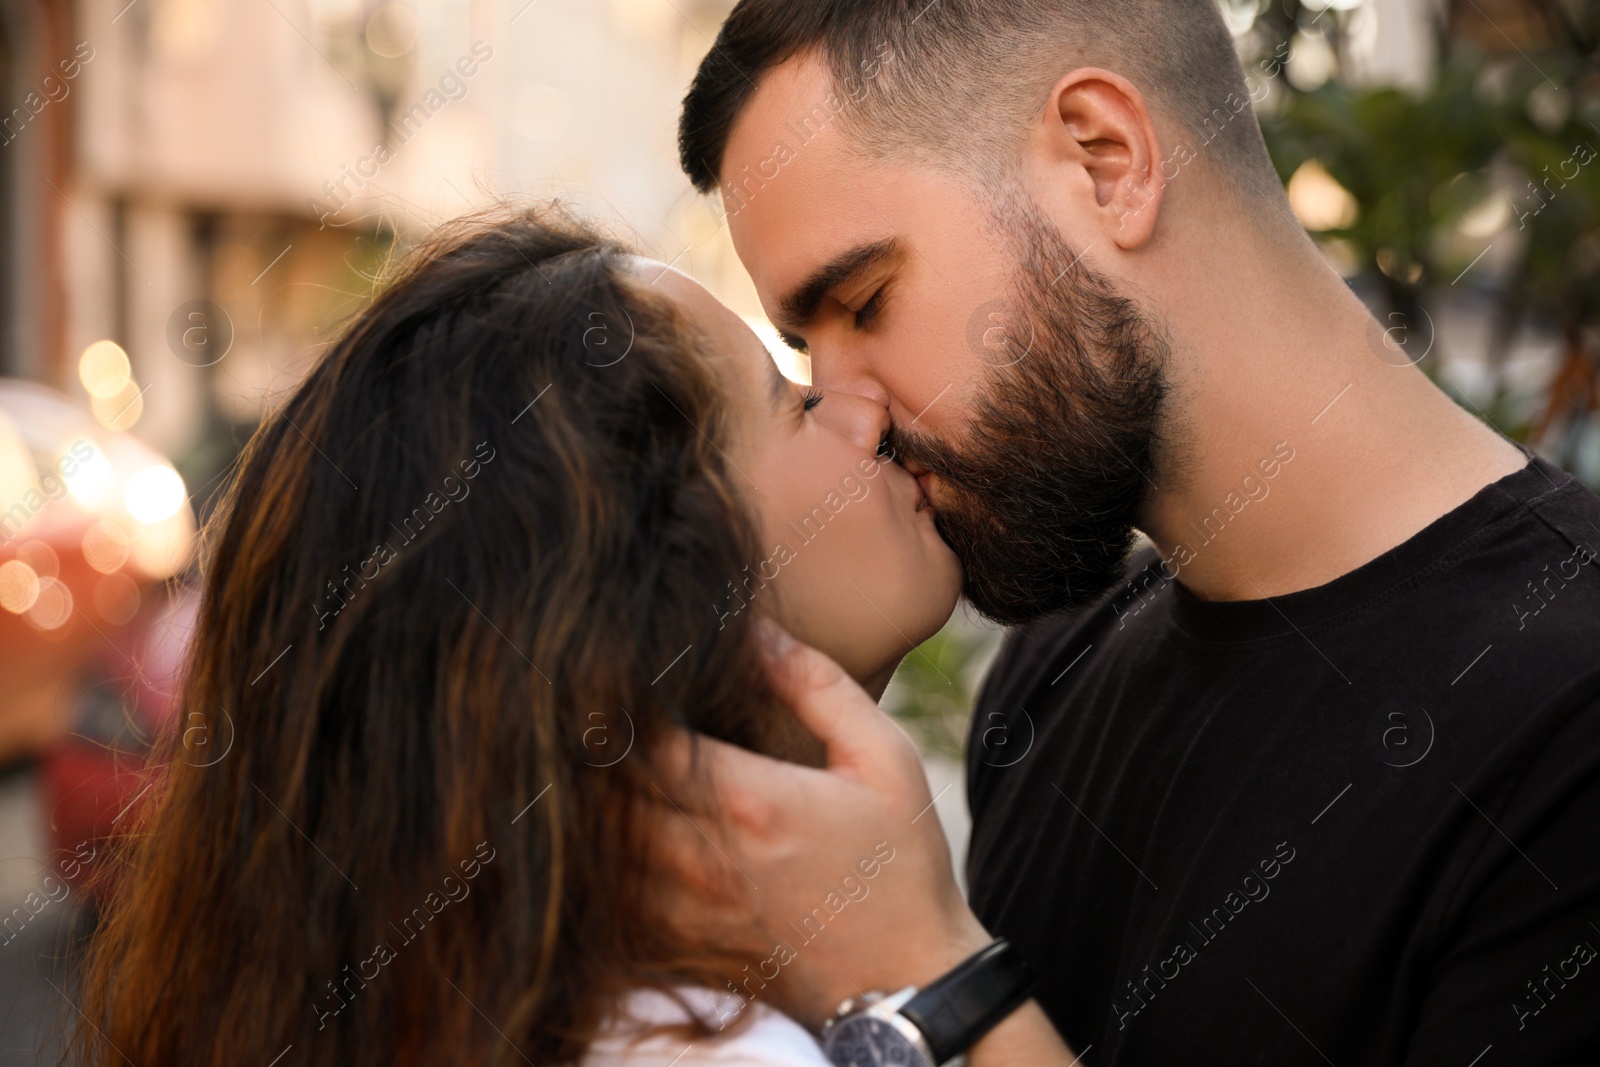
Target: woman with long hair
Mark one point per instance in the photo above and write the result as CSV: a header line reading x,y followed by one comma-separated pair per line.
x,y
512,532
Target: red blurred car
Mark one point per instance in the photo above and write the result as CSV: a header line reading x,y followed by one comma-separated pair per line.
x,y
95,527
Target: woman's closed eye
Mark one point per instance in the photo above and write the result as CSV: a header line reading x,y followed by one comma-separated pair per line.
x,y
811,397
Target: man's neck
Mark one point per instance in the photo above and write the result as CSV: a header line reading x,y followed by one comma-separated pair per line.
x,y
1304,444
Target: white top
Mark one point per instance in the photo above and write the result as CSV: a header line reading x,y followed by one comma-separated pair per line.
x,y
769,1039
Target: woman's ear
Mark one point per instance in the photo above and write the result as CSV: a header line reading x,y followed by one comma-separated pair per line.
x,y
1097,124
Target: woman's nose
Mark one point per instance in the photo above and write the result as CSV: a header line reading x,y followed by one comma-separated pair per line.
x,y
861,421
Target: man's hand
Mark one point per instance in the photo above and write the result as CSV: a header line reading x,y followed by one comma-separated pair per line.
x,y
837,880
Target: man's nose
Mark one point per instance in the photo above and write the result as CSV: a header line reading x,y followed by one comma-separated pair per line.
x,y
835,371
862,420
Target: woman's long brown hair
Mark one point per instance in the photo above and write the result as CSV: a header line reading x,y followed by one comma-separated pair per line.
x,y
461,583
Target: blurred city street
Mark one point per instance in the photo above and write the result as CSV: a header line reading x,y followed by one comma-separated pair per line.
x,y
195,195
33,955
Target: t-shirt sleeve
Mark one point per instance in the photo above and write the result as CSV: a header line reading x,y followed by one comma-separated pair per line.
x,y
1517,979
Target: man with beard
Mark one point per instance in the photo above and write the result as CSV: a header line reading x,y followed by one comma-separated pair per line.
x,y
1312,778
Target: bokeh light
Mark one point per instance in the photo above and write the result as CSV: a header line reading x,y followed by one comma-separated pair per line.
x,y
154,494
92,481
19,586
106,545
161,549
121,411
40,557
1318,200
52,607
104,369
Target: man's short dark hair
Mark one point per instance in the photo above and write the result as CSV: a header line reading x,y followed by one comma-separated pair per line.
x,y
938,80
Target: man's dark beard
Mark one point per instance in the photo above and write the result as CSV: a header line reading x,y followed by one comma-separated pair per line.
x,y
1041,499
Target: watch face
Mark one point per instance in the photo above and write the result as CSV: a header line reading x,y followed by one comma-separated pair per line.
x,y
869,1041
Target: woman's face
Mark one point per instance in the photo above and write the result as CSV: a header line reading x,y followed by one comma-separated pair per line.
x,y
851,562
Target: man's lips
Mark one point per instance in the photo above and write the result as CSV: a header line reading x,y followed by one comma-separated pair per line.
x,y
924,479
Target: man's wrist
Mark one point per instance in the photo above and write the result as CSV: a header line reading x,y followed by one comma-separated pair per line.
x,y
924,959
938,955
937,1021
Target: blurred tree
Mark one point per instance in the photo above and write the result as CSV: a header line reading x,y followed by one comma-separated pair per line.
x,y
1557,270
1414,165
1514,139
933,691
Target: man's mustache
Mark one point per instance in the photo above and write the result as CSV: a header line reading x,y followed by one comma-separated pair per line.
x,y
912,448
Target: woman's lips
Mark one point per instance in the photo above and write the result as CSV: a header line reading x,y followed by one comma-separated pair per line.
x,y
924,500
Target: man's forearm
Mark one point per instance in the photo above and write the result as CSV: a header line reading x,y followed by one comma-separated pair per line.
x,y
1026,1036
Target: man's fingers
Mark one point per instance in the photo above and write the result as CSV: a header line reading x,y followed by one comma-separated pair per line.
x,y
707,781
697,889
685,853
823,697
676,762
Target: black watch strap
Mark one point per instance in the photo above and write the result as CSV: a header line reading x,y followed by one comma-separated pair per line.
x,y
957,1009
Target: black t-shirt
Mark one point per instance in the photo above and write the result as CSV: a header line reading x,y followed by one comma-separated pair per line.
x,y
1354,825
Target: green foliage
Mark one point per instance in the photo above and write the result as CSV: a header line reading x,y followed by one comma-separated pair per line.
x,y
933,691
1399,155
1519,136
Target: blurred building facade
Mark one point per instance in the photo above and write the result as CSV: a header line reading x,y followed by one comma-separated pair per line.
x,y
213,184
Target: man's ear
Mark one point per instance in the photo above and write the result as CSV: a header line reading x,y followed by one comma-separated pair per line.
x,y
1098,121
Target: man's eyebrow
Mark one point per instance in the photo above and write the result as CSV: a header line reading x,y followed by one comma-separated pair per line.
x,y
798,307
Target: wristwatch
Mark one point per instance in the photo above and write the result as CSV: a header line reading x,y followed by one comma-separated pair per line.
x,y
935,1026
